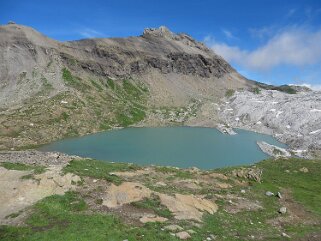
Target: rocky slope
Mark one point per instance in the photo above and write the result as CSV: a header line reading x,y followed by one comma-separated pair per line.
x,y
52,89
292,118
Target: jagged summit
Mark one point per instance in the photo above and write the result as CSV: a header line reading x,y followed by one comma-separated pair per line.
x,y
162,31
165,33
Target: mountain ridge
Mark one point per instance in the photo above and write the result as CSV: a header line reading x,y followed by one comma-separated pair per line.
x,y
111,57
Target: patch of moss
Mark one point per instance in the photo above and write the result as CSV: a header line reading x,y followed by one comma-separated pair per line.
x,y
98,169
96,85
229,93
154,204
256,90
37,169
175,172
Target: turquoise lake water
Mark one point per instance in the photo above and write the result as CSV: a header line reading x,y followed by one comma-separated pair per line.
x,y
205,148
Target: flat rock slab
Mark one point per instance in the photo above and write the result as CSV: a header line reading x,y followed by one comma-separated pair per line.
x,y
184,207
183,235
152,219
17,194
125,193
187,207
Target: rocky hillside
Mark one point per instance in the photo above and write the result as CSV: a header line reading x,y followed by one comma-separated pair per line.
x,y
52,89
31,62
292,118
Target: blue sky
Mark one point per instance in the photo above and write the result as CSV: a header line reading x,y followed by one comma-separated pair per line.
x,y
277,42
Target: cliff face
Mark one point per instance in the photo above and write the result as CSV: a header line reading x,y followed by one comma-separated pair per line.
x,y
27,58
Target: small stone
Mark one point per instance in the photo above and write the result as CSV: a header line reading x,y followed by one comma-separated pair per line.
x,y
269,194
152,219
242,191
160,184
282,210
125,240
304,169
95,180
279,195
208,238
191,231
173,227
287,171
285,235
183,235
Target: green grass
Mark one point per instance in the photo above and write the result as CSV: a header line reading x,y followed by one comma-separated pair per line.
x,y
111,83
64,116
256,90
304,186
68,78
96,85
105,125
68,217
131,89
283,88
133,115
74,81
98,169
154,204
64,218
37,169
229,93
175,173
47,86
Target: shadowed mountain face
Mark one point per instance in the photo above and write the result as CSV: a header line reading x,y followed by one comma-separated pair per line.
x,y
51,89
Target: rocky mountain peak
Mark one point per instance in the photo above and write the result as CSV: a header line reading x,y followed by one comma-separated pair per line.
x,y
162,31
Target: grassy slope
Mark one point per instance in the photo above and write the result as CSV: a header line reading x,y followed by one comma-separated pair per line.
x,y
90,105
67,218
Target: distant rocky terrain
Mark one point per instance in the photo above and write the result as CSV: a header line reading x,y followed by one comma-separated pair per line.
x,y
294,119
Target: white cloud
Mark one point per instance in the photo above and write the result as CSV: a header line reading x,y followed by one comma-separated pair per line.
x,y
295,46
90,33
291,12
228,34
263,32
